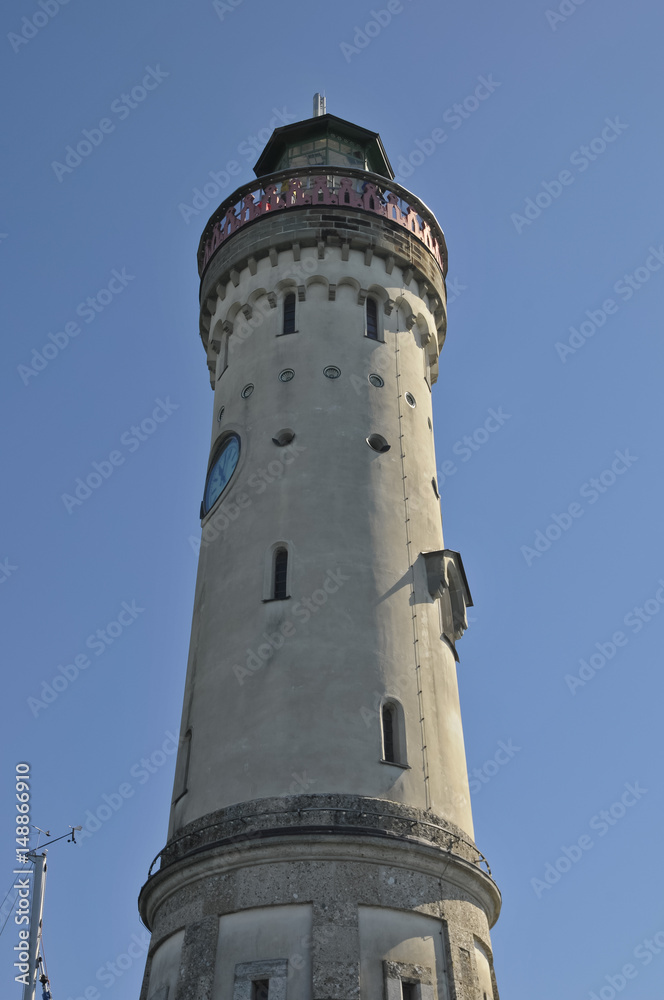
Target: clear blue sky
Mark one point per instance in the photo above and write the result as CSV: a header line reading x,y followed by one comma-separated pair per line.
x,y
591,78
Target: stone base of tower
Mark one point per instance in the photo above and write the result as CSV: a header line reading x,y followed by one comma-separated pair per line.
x,y
321,911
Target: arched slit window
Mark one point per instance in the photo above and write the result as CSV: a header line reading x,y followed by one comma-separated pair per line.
x,y
289,313
280,579
372,319
393,733
388,733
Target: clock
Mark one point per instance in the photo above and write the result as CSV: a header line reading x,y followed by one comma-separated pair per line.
x,y
220,472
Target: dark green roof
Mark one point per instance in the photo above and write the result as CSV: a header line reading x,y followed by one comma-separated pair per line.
x,y
318,128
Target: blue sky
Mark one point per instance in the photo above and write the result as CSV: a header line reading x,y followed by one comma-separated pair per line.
x,y
556,285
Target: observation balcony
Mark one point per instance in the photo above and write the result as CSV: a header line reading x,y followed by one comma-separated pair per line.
x,y
309,187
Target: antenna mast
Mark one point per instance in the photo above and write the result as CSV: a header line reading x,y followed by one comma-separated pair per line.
x,y
319,105
36,914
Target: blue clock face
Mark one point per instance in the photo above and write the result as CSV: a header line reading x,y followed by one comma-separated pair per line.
x,y
221,471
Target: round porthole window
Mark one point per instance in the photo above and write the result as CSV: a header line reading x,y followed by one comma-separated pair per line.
x,y
376,380
410,399
377,442
247,391
286,375
331,371
283,437
220,414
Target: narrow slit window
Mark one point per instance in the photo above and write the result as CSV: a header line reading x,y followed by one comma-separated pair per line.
x,y
182,767
260,989
224,354
372,319
388,734
409,991
289,313
280,575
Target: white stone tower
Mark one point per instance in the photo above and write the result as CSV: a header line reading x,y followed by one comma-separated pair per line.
x,y
321,840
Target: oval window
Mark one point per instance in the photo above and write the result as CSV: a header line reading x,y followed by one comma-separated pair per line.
x,y
221,470
283,437
378,443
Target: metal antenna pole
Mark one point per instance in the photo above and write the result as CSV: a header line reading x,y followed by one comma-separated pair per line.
x,y
36,914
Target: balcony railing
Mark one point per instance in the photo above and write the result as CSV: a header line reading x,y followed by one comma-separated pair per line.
x,y
349,821
344,187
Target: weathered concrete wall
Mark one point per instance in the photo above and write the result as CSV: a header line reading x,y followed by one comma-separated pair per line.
x,y
354,904
259,934
287,824
355,522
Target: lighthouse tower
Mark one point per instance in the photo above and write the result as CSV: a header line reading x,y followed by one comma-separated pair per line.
x,y
321,841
